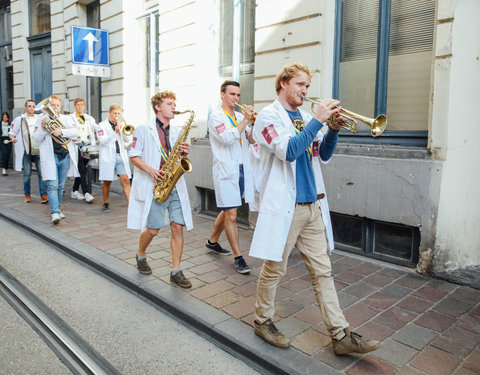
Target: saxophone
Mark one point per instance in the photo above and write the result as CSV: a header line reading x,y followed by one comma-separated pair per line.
x,y
175,166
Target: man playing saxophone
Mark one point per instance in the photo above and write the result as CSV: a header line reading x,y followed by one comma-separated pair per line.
x,y
150,150
55,158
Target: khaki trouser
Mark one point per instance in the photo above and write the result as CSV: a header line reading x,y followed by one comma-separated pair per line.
x,y
307,234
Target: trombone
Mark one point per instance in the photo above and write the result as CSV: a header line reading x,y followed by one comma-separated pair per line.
x,y
377,125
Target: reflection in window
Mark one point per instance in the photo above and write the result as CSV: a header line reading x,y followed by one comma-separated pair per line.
x,y
408,31
39,16
237,44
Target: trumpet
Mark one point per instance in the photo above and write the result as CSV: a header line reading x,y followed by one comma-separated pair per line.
x,y
377,125
254,115
127,129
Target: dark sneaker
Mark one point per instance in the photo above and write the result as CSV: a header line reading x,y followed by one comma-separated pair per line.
x,y
215,247
353,343
143,266
241,266
271,334
106,207
180,280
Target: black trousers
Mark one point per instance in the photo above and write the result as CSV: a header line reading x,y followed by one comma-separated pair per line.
x,y
6,150
82,170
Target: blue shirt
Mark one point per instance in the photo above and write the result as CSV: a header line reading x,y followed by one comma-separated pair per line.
x,y
297,150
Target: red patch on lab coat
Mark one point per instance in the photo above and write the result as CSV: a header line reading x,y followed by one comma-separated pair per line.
x,y
220,128
34,130
269,133
255,147
100,133
134,142
315,148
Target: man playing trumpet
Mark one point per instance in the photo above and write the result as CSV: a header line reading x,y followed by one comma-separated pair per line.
x,y
232,174
113,158
293,209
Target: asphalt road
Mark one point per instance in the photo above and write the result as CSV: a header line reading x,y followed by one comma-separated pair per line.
x,y
130,333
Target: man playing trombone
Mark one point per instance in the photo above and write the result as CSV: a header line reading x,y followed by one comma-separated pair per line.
x,y
113,158
293,210
232,175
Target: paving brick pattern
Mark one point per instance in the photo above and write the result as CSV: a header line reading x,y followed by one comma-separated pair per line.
x,y
427,326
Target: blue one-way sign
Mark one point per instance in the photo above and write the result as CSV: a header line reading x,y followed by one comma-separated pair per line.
x,y
89,47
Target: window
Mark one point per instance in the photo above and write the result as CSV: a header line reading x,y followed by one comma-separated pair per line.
x,y
394,243
383,61
150,46
237,44
39,16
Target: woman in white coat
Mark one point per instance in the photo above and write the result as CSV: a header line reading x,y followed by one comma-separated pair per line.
x,y
151,146
113,158
55,159
292,209
231,171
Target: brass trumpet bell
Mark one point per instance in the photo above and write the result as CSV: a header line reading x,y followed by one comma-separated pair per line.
x,y
377,125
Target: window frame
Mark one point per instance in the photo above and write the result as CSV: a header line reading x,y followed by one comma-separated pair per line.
x,y
403,138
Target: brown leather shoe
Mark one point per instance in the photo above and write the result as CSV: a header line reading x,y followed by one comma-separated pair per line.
x,y
271,334
180,279
353,343
44,199
28,198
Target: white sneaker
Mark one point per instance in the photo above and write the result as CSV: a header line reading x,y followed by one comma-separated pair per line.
x,y
62,216
77,195
89,197
55,218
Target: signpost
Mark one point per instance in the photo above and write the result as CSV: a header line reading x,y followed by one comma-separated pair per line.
x,y
90,52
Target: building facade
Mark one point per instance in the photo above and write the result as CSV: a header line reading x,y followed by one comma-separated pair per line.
x,y
410,192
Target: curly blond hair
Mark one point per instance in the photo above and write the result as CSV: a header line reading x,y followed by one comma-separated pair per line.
x,y
160,96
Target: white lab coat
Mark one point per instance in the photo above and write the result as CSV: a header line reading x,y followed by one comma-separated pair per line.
x,y
107,137
19,147
86,136
47,158
228,154
273,128
146,144
256,174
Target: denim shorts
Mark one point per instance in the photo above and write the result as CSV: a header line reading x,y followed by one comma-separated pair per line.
x,y
156,216
119,167
241,185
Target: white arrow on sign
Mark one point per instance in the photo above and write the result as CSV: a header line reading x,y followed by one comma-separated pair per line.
x,y
90,38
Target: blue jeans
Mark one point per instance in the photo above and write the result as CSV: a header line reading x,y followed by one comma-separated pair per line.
x,y
55,187
27,174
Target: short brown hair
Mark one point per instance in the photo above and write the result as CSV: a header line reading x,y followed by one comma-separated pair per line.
x,y
79,100
223,88
158,98
115,106
288,72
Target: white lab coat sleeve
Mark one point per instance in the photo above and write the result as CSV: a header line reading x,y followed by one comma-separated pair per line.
x,y
271,134
15,127
138,142
39,134
104,136
221,129
70,132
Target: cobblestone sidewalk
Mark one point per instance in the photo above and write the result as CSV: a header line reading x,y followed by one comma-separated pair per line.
x,y
427,326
